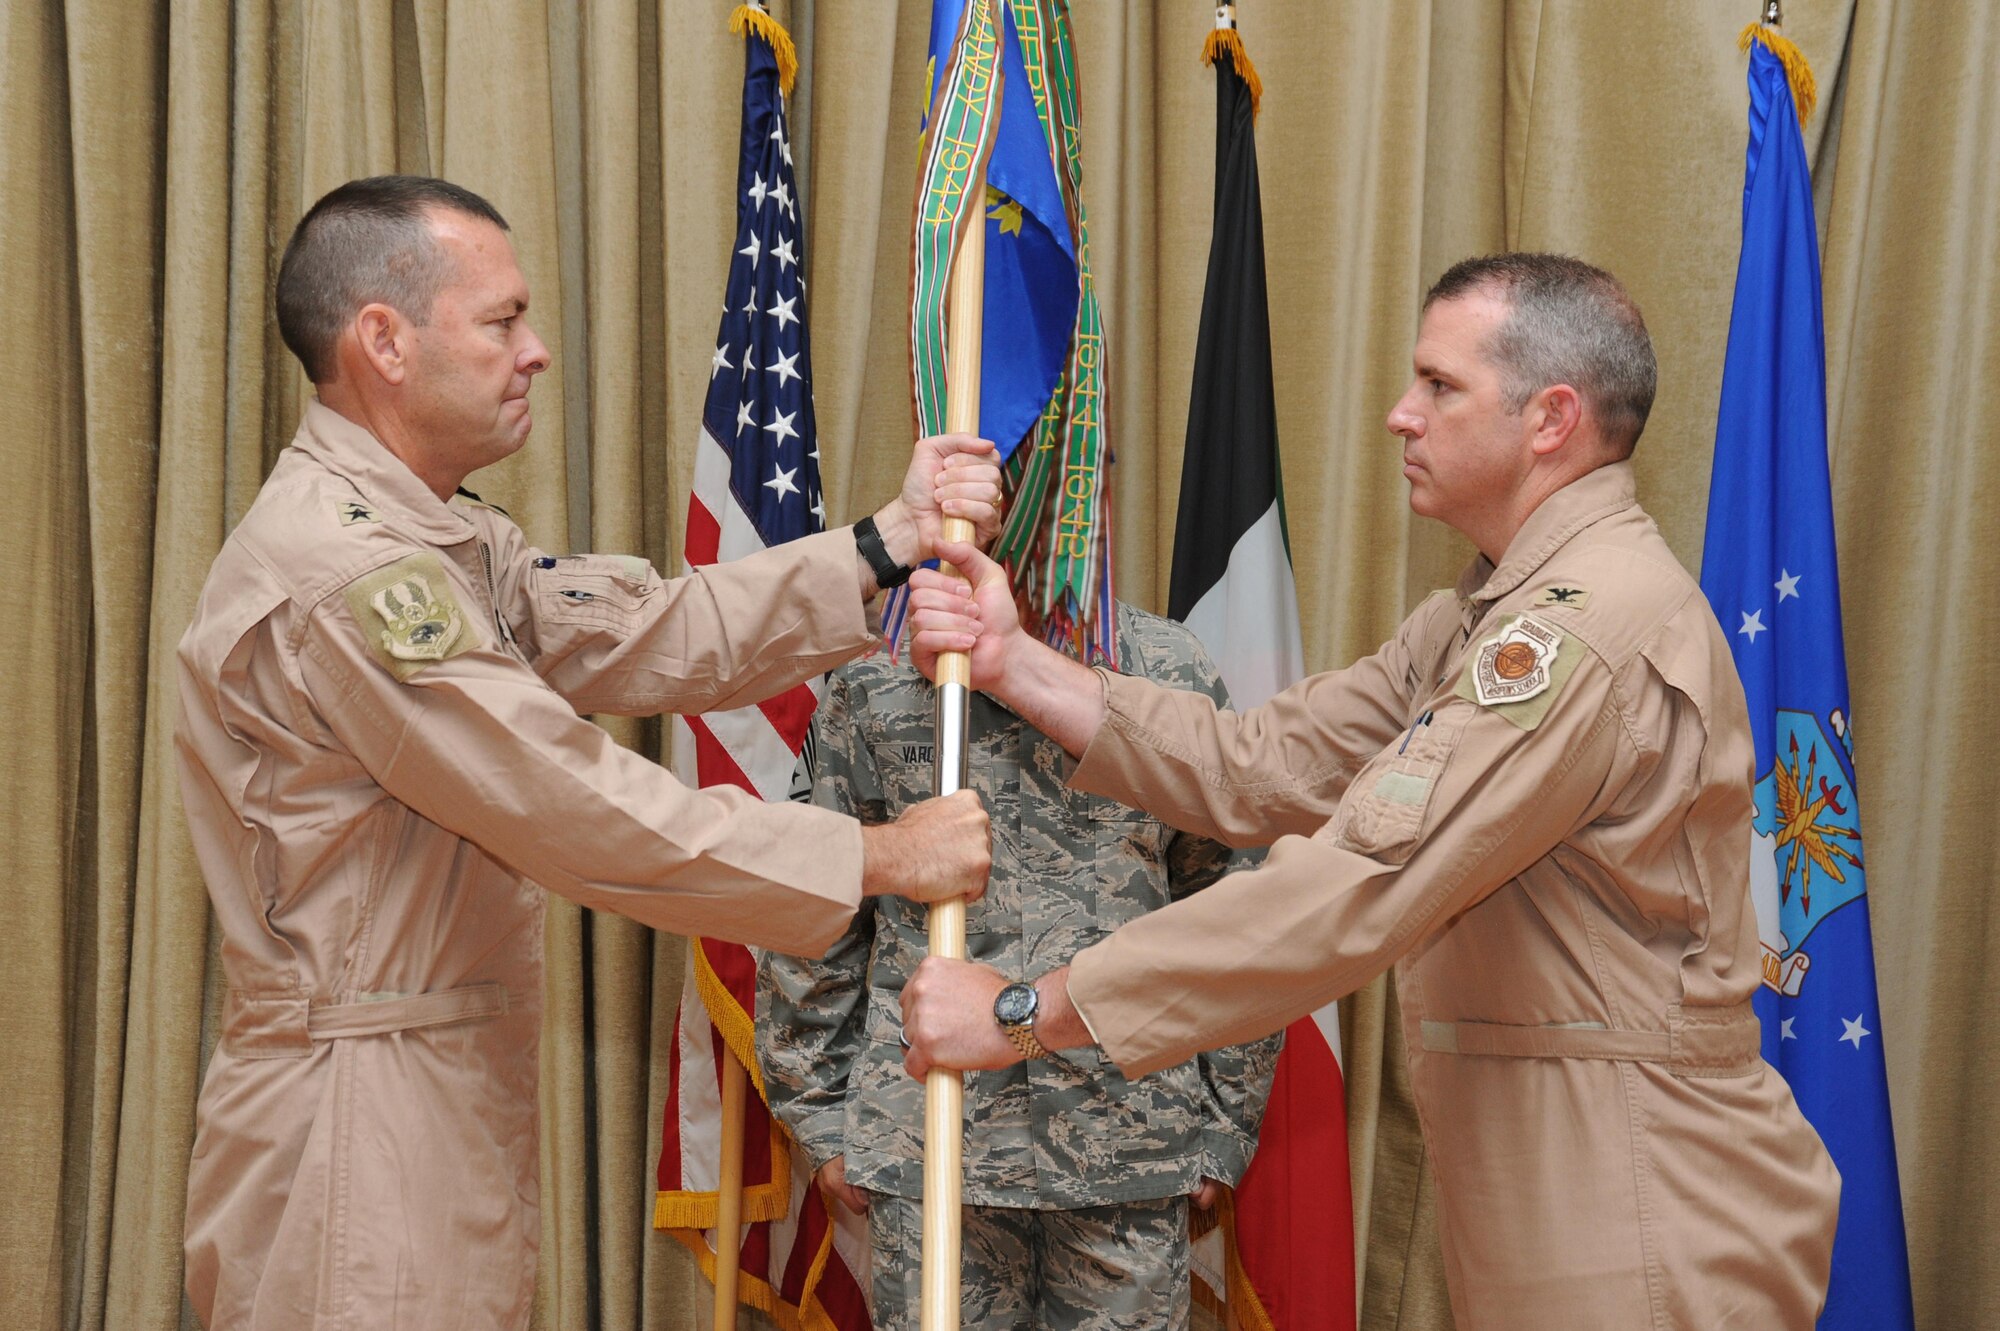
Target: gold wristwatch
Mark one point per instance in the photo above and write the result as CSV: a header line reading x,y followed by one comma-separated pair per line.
x,y
1015,1010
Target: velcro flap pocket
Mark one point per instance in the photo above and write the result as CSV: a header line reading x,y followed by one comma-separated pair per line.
x,y
1383,814
593,589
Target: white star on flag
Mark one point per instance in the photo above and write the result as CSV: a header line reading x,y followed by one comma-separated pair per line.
x,y
1787,585
1753,624
757,189
753,249
719,361
744,419
1785,1029
750,302
781,426
1855,1030
783,147
819,508
781,481
783,311
782,252
784,196
784,367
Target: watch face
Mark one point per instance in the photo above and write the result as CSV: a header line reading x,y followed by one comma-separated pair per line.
x,y
1016,1005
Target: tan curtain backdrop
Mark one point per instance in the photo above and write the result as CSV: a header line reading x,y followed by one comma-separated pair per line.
x,y
154,156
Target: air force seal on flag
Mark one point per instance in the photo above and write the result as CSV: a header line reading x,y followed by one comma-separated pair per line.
x,y
1805,858
409,616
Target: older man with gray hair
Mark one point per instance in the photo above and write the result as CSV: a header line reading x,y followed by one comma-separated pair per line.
x,y
380,746
1534,801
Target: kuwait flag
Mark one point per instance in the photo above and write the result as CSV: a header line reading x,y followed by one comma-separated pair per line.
x,y
1292,1266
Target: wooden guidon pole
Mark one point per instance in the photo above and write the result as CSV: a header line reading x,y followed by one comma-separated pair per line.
x,y
729,1192
944,1088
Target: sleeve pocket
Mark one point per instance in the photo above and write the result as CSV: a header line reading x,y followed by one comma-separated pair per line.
x,y
1383,814
604,590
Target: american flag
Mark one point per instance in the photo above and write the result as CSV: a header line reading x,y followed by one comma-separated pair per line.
x,y
756,483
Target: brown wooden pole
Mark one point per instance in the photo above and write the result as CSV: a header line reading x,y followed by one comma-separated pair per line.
x,y
729,1192
944,1088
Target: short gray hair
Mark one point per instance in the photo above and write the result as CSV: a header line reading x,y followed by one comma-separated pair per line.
x,y
1568,322
366,241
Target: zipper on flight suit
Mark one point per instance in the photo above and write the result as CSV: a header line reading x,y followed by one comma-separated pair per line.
x,y
507,640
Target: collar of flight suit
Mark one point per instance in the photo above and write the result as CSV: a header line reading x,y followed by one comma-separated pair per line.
x,y
1584,501
352,453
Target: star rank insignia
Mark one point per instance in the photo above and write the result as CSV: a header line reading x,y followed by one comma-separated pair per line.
x,y
352,511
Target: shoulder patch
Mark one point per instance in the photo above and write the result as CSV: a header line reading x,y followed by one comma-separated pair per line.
x,y
409,616
1563,594
351,511
1519,670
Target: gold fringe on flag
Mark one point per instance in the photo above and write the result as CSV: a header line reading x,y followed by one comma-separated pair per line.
x,y
1805,92
754,18
1226,39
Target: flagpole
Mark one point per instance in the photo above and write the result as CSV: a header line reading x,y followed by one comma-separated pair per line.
x,y
729,1192
944,1088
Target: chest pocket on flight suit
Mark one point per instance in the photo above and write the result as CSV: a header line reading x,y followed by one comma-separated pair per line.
x,y
1383,815
605,590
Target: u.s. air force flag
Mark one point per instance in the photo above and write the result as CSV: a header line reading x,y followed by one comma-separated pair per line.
x,y
1769,572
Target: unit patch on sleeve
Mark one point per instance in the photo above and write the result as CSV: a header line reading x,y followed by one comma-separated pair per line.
x,y
409,616
1519,670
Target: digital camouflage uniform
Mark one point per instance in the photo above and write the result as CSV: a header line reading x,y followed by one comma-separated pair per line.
x,y
1073,1173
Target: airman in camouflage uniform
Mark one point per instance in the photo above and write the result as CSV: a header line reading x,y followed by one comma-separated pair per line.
x,y
1076,1179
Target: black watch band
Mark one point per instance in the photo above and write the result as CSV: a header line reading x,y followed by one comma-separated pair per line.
x,y
868,540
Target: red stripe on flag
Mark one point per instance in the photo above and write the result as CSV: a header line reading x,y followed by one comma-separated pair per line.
x,y
791,714
704,534
812,1229
756,1124
838,1293
669,1172
736,968
1294,1208
713,764
754,1257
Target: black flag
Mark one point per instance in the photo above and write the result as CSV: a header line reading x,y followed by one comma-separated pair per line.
x,y
1232,580
1292,1221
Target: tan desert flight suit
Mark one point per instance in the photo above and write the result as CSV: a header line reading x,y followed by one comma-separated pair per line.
x,y
1535,801
379,746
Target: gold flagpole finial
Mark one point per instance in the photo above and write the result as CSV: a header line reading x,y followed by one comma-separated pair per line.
x,y
751,16
1225,38
1805,92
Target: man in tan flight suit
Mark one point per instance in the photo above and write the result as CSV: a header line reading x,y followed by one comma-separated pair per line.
x,y
1534,801
380,746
